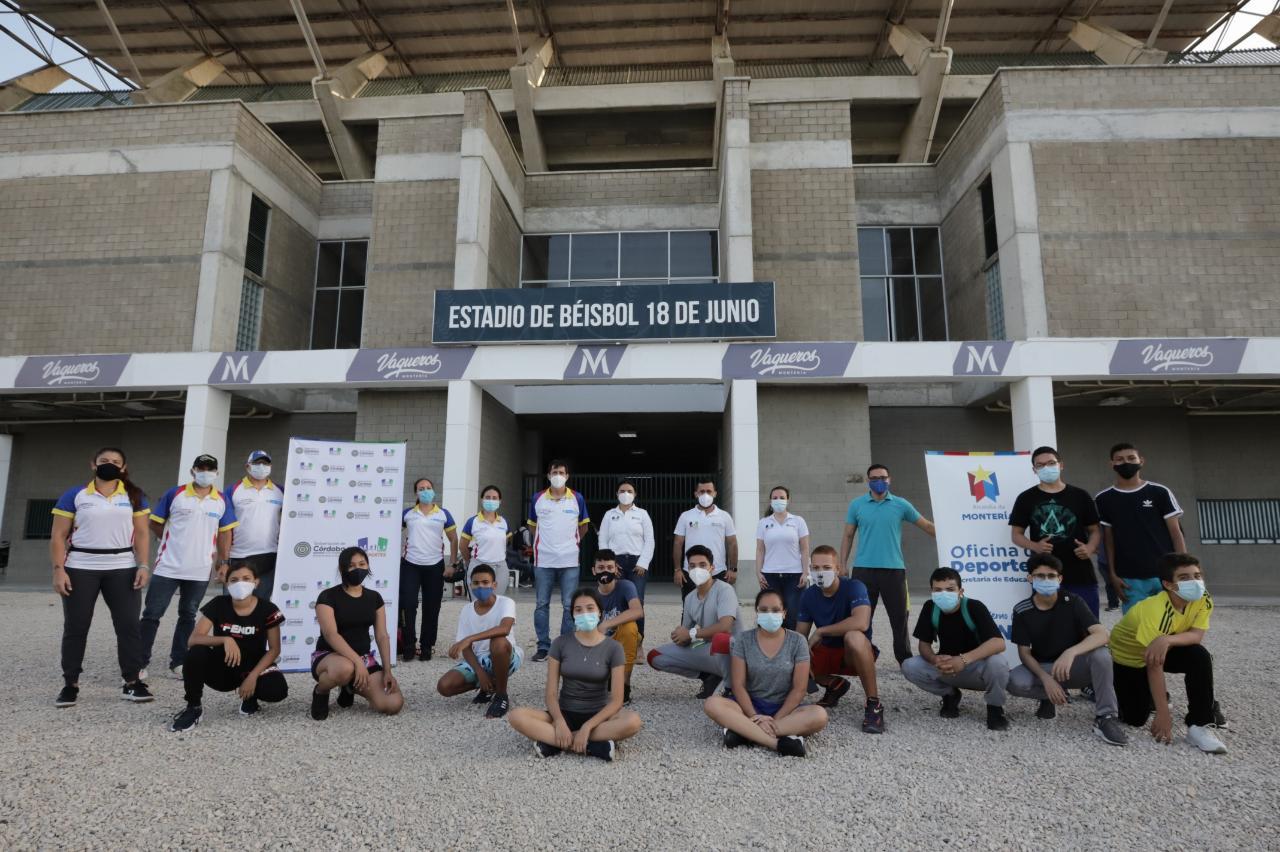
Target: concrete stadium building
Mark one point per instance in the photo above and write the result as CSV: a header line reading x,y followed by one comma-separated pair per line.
x,y
981,226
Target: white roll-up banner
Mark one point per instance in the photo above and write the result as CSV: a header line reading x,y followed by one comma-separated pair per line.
x,y
336,494
972,494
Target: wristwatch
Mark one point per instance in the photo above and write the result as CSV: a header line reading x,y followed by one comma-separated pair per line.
x,y
693,634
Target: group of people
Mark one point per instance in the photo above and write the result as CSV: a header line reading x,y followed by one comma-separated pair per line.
x,y
813,612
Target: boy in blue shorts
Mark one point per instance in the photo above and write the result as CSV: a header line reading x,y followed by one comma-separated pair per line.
x,y
485,647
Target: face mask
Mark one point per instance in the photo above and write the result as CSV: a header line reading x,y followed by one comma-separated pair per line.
x,y
107,471
490,505
1049,475
585,622
769,622
557,480
1191,590
240,589
606,578
823,579
1127,470
259,471
778,506
699,575
1048,588
427,495
205,478
482,594
355,576
879,486
945,601
626,498
705,500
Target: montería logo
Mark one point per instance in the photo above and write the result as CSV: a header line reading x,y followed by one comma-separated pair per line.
x,y
330,513
385,513
335,451
983,484
71,371
373,547
1213,355
362,468
785,360
306,465
359,498
389,452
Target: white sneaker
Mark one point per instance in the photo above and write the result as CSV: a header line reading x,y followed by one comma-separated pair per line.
x,y
1204,739
176,671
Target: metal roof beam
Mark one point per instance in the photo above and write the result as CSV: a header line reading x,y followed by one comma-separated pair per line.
x,y
124,48
97,63
1160,19
722,17
244,60
308,35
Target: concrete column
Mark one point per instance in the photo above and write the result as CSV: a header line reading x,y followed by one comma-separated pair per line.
x,y
6,460
226,232
1013,185
1034,422
181,83
476,195
462,447
17,90
722,68
525,77
737,254
1112,46
744,474
204,430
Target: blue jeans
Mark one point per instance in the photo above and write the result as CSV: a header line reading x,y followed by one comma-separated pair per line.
x,y
159,593
787,585
627,564
543,580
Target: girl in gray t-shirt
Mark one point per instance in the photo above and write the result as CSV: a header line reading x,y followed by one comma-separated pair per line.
x,y
586,671
769,673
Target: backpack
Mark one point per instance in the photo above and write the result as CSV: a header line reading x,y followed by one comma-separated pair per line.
x,y
964,612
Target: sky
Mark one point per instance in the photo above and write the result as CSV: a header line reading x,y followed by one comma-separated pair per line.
x,y
16,60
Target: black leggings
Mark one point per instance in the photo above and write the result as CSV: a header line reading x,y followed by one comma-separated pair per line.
x,y
1133,693
430,579
125,604
207,666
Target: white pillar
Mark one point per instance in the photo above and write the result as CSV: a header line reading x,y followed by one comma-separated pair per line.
x,y
221,262
1013,187
737,254
204,430
1034,423
744,467
462,447
6,457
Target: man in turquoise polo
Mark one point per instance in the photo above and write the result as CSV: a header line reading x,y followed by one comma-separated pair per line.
x,y
876,518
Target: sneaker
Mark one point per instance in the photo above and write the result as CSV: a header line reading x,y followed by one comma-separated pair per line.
x,y
319,706
408,656
1111,608
249,706
1108,727
791,746
602,749
626,694
950,705
137,692
186,720
1046,710
498,707
733,739
425,655
835,691
482,697
996,720
709,684
1205,740
346,697
67,696
544,750
176,671
541,656
811,687
1088,694
873,717
1219,721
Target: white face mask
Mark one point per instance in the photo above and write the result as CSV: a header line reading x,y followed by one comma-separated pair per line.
x,y
205,478
778,504
699,575
557,480
626,498
240,589
259,471
822,579
705,500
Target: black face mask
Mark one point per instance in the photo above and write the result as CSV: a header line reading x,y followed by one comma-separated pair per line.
x,y
1127,470
355,576
606,578
107,471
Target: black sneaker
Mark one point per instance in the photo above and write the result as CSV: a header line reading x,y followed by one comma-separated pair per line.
x,y
950,705
541,656
137,692
346,696
1046,710
733,739
1088,694
996,720
67,696
498,707
1108,727
791,746
425,655
836,690
407,656
319,706
482,697
709,684
186,720
544,750
811,687
249,706
602,749
873,717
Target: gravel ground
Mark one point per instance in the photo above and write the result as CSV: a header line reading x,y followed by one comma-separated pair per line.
x,y
107,774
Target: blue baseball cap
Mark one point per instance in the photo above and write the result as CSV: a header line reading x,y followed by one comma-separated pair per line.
x,y
258,455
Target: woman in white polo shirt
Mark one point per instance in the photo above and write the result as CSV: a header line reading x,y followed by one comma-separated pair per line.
x,y
485,536
782,552
428,531
627,530
100,546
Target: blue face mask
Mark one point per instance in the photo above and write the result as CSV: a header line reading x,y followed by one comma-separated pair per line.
x,y
879,486
427,495
489,505
1049,475
1191,590
945,601
585,622
1048,588
482,594
769,622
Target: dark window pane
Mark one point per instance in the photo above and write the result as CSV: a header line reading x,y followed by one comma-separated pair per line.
x,y
871,251
933,309
689,281
255,252
350,318
353,264
900,252
905,320
875,309
324,325
546,257
612,282
694,254
328,264
644,255
631,281
928,254
594,256
990,239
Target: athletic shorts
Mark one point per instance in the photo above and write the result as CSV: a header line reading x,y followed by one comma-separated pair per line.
x,y
576,720
370,662
486,662
825,660
765,708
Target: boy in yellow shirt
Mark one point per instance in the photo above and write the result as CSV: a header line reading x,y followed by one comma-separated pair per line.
x,y
1164,633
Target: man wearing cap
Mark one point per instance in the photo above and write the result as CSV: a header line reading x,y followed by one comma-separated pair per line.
x,y
257,502
194,523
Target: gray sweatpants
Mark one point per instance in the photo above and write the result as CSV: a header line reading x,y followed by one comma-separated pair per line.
x,y
689,662
990,676
1091,669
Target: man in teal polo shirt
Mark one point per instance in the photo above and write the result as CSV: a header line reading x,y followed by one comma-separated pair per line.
x,y
877,518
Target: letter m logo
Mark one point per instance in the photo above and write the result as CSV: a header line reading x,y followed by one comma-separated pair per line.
x,y
235,368
594,362
981,358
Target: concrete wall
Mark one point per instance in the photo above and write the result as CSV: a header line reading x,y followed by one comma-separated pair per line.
x,y
415,417
963,260
500,460
504,245
290,285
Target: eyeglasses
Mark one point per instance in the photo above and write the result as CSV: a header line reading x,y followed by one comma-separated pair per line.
x,y
878,478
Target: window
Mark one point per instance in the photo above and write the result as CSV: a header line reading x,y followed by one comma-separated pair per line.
x,y
255,251
614,258
338,315
990,240
1239,521
250,323
39,521
995,301
902,293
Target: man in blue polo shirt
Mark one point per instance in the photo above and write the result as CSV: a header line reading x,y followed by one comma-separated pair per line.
x,y
876,518
557,517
